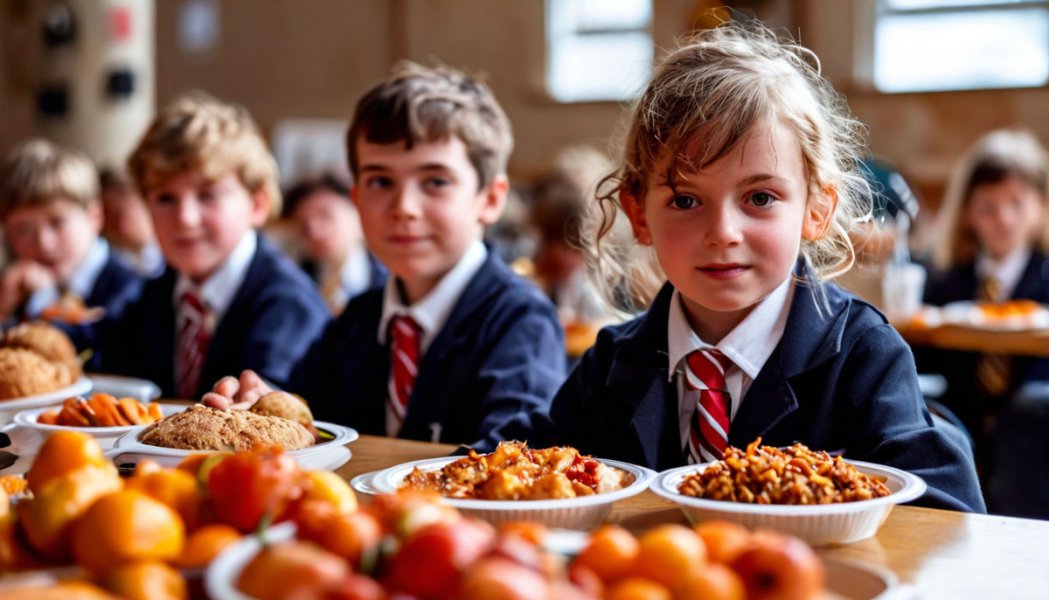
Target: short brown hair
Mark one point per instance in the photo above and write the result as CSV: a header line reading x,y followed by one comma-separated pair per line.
x,y
422,104
199,132
38,172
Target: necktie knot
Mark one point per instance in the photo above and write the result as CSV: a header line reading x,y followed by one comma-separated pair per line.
x,y
710,420
192,303
707,368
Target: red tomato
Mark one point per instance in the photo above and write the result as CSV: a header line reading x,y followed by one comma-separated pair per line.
x,y
430,562
502,579
247,486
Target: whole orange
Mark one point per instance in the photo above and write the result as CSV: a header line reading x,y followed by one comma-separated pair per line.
x,y
174,487
329,487
63,452
636,588
712,582
124,527
204,544
724,540
610,553
147,581
668,554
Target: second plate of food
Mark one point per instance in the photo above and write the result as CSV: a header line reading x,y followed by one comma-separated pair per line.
x,y
818,524
579,512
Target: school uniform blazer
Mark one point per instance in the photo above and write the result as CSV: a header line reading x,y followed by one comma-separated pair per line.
x,y
962,283
497,361
840,379
274,316
117,284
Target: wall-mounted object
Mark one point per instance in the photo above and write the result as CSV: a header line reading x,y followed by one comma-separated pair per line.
x,y
59,26
120,83
52,100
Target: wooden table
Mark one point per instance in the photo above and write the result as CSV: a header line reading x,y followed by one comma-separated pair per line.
x,y
942,554
1032,342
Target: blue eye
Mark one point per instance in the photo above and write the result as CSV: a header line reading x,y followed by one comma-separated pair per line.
x,y
684,202
378,182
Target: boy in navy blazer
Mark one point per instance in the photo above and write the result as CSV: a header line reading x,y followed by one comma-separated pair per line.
x,y
52,216
455,348
228,300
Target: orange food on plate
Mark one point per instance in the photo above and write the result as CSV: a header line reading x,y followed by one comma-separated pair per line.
x,y
793,475
102,410
13,484
516,472
1009,308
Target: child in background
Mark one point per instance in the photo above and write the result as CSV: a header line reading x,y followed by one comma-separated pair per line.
x,y
126,224
51,215
228,301
455,348
741,173
993,246
329,230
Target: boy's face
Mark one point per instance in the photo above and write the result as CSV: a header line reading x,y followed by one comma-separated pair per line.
x,y
329,226
56,234
198,222
127,222
421,208
1005,216
729,234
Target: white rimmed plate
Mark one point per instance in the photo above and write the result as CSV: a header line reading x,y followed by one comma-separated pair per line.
x,y
327,455
819,525
8,408
586,512
846,580
106,436
967,313
142,390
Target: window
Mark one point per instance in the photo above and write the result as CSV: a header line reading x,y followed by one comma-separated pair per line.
x,y
938,45
598,49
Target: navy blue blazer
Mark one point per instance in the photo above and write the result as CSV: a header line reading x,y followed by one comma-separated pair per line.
x,y
959,368
498,360
274,316
117,285
840,379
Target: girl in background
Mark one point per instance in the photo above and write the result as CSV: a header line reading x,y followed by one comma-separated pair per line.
x,y
741,173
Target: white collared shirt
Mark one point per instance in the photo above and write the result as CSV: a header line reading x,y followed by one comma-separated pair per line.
x,y
749,345
80,282
219,289
432,311
1007,271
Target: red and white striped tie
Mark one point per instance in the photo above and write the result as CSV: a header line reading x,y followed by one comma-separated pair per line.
x,y
708,429
404,360
192,344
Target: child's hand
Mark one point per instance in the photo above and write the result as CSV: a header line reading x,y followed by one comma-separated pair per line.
x,y
231,393
19,281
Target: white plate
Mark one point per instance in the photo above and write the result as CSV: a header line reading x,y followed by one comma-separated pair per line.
x,y
106,436
586,512
142,390
8,408
819,525
329,455
846,580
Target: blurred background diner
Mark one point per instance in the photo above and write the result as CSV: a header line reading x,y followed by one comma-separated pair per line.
x,y
930,79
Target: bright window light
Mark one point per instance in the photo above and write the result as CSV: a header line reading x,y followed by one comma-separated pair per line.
x,y
598,49
940,50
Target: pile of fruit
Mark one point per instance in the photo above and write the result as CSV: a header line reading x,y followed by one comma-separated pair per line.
x,y
134,537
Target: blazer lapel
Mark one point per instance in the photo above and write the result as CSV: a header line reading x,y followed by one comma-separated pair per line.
x,y
812,336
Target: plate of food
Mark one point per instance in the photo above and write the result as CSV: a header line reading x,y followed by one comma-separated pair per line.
x,y
558,486
102,416
1009,315
821,499
199,428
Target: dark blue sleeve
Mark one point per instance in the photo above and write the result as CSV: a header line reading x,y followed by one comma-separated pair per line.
x,y
283,328
890,425
522,372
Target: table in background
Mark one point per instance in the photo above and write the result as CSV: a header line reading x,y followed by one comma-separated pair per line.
x,y
943,554
1028,342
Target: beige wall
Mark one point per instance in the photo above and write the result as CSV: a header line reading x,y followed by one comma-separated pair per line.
x,y
312,58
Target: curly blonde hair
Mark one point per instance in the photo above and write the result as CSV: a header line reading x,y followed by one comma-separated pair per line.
x,y
38,172
703,99
197,132
997,156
